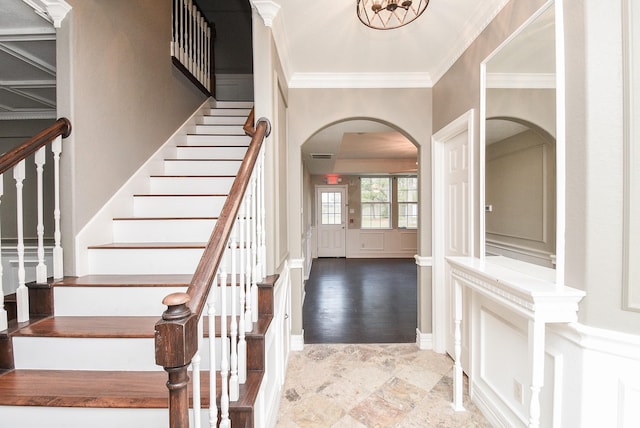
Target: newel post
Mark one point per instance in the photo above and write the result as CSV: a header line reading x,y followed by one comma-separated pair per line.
x,y
176,342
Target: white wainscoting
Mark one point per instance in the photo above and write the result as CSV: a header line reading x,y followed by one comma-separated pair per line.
x,y
601,378
381,243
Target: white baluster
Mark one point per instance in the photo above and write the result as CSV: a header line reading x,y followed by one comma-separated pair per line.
x,y
224,359
246,207
192,40
234,387
22,294
211,312
58,262
195,378
242,343
207,58
183,32
263,234
3,312
41,268
254,250
457,366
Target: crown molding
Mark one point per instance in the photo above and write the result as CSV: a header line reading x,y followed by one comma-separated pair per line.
x,y
521,80
267,9
53,11
464,40
360,80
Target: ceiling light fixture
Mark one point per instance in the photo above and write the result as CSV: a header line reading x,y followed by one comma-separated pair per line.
x,y
388,14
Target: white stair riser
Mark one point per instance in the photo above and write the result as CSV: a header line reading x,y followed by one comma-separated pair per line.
x,y
233,104
111,301
124,301
112,261
178,206
230,111
201,167
205,152
191,185
219,129
162,230
221,120
225,140
67,353
72,417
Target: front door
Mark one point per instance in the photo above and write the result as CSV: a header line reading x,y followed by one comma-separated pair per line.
x,y
331,202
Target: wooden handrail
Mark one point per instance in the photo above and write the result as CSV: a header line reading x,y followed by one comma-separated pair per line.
x,y
61,127
208,266
249,124
176,340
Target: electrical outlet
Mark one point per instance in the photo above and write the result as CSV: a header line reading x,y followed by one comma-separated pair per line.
x,y
517,391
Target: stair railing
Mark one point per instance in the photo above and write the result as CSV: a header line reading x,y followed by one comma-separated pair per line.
x,y
192,44
16,159
232,263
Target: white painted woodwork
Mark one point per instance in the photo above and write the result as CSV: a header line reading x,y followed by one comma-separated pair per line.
x,y
227,111
226,140
188,185
201,167
363,243
22,293
3,312
162,230
56,148
539,302
207,152
177,206
221,120
218,130
132,261
41,269
332,236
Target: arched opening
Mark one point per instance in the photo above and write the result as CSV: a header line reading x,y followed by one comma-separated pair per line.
x,y
360,192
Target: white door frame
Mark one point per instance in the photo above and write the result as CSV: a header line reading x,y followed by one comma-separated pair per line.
x,y
463,123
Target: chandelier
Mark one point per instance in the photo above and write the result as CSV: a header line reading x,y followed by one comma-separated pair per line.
x,y
388,14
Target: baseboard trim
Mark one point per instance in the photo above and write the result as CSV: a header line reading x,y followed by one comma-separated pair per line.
x,y
297,342
424,340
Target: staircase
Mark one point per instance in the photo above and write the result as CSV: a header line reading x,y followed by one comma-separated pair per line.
x,y
86,356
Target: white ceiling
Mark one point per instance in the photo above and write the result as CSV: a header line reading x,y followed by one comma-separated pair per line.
x,y
27,63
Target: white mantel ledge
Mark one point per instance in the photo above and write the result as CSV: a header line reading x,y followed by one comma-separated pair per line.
x,y
532,297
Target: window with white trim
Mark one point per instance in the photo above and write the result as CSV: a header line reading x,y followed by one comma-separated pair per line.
x,y
375,200
407,202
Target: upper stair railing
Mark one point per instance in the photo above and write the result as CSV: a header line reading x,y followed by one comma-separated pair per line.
x,y
16,159
232,262
192,44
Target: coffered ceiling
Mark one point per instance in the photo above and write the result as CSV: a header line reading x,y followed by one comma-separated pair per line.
x,y
27,63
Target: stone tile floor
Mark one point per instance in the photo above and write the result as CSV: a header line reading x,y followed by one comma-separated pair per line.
x,y
371,385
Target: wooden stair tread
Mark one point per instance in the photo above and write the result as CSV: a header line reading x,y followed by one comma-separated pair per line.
x,y
115,327
106,389
91,326
166,280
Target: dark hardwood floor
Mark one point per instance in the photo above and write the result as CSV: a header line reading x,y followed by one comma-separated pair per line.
x,y
361,301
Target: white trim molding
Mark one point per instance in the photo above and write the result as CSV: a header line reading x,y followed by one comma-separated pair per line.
x,y
53,11
267,9
296,263
297,342
423,261
424,340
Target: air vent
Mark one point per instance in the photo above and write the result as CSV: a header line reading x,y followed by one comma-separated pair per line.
x,y
321,156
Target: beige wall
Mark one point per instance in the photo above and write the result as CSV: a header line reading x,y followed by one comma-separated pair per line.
x,y
124,97
594,144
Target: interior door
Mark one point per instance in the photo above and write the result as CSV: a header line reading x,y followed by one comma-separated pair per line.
x,y
456,236
331,220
